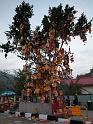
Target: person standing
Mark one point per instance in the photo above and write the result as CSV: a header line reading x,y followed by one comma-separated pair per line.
x,y
75,101
67,101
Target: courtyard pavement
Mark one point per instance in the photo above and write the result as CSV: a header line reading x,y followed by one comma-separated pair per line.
x,y
11,119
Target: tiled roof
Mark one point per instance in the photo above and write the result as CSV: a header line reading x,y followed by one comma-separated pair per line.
x,y
85,81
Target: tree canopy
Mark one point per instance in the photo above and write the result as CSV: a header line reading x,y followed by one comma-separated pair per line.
x,y
43,47
59,26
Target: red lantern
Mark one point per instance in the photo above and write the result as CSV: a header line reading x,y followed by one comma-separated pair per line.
x,y
62,50
28,91
37,51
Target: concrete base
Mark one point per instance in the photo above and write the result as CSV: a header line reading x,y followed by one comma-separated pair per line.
x,y
30,107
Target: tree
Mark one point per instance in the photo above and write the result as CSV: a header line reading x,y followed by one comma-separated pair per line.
x,y
74,89
21,76
20,80
43,47
7,81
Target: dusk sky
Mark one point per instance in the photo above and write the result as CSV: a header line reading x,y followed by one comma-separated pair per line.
x,y
83,60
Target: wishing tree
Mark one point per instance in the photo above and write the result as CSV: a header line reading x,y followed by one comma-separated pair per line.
x,y
43,50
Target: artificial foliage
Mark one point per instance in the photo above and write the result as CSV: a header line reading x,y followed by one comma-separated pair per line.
x,y
43,48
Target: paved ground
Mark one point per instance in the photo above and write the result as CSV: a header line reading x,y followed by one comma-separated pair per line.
x,y
11,119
